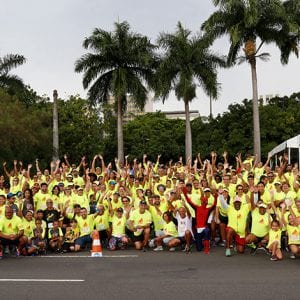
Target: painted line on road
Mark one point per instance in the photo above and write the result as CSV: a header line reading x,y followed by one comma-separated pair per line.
x,y
71,256
40,280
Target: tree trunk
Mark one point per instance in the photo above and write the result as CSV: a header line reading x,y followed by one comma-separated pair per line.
x,y
188,132
55,128
120,131
256,125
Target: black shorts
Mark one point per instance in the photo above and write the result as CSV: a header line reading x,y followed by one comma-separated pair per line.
x,y
181,239
138,238
6,242
223,220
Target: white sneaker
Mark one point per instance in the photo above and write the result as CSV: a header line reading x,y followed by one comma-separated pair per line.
x,y
172,249
158,248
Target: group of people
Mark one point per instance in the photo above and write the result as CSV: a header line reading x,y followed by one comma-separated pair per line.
x,y
149,205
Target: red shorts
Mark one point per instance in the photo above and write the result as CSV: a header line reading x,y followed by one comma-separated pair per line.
x,y
238,240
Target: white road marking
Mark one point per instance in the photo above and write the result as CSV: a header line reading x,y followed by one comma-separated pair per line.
x,y
73,256
40,280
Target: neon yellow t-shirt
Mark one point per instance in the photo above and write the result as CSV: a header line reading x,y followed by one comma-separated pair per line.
x,y
274,236
118,226
260,223
141,219
28,227
101,221
11,226
86,226
170,229
293,234
237,219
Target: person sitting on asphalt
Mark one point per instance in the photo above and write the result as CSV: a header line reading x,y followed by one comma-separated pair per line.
x,y
55,237
118,239
38,243
72,233
259,234
11,233
170,237
139,222
237,219
86,227
293,231
184,227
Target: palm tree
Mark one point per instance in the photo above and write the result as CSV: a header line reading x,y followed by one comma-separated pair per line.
x,y
250,25
8,81
121,63
186,60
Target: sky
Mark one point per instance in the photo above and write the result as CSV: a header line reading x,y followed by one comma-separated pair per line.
x,y
50,35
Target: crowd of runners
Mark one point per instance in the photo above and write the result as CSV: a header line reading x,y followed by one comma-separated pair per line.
x,y
151,206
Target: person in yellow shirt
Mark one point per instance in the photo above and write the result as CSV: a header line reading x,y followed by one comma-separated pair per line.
x,y
259,234
119,239
139,222
170,236
72,233
86,227
237,219
55,237
101,223
222,216
11,232
274,244
293,231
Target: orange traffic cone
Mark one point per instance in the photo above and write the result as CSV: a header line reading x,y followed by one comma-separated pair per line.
x,y
96,247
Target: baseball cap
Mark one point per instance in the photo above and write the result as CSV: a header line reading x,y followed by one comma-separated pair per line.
x,y
206,190
143,202
262,205
10,195
120,209
237,199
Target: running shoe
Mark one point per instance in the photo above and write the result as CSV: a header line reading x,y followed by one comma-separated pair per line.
x,y
172,249
292,256
228,252
158,248
273,257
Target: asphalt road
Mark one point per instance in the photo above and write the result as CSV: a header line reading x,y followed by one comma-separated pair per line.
x,y
132,274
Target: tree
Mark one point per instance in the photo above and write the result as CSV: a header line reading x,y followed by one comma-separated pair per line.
x,y
10,82
55,127
121,63
248,23
186,60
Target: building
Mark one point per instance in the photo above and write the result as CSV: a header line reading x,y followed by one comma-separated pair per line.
x,y
181,114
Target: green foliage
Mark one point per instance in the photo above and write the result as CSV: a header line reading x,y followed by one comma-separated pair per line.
x,y
80,128
154,134
25,132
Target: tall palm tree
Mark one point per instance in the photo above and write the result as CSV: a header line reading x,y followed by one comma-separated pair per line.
x,y
185,62
120,63
9,81
250,25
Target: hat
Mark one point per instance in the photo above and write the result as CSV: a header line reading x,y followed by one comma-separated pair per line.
x,y
19,194
225,190
10,195
116,193
262,205
120,209
143,202
61,184
112,182
70,176
237,199
206,190
277,183
80,189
